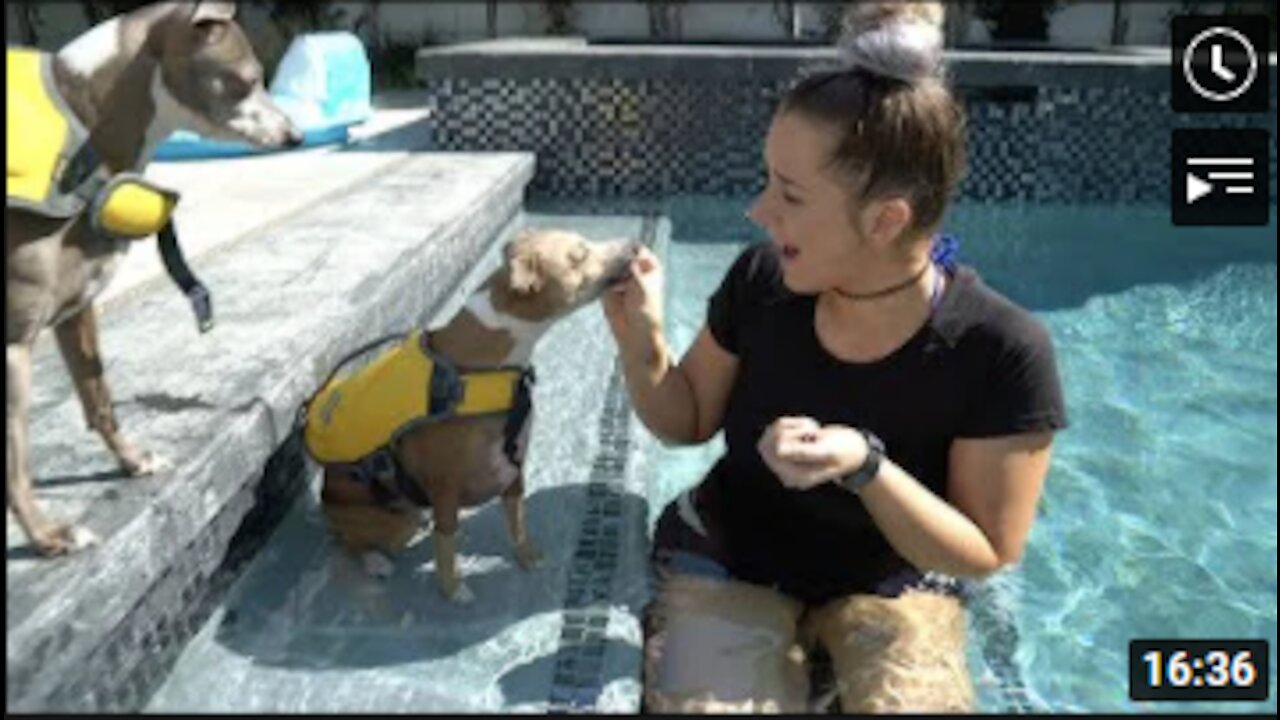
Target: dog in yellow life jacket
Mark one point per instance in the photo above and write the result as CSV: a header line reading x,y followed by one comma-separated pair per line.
x,y
442,419
52,170
82,123
354,420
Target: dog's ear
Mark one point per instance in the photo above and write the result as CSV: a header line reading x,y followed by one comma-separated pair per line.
x,y
526,276
213,12
525,273
521,237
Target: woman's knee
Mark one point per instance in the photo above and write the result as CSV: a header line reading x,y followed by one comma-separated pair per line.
x,y
897,654
722,646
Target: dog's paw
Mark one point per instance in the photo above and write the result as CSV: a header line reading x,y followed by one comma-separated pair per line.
x,y
143,464
461,594
528,556
64,540
420,534
377,565
82,538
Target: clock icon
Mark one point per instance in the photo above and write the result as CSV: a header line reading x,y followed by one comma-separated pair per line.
x,y
1220,63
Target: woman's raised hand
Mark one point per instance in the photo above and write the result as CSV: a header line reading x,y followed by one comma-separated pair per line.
x,y
633,308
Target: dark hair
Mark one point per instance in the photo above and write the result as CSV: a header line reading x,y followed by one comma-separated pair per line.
x,y
896,136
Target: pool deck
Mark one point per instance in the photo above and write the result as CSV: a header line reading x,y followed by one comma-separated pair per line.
x,y
354,243
222,200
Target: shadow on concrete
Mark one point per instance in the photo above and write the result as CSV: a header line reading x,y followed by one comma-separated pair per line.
x,y
101,476
307,604
165,402
23,552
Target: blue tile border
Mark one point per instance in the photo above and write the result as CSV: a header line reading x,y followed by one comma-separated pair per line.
x,y
995,624
577,678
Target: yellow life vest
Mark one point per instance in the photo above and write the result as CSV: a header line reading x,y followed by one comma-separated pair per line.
x,y
360,413
50,168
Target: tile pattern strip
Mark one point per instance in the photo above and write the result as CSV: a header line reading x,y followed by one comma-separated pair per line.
x,y
576,680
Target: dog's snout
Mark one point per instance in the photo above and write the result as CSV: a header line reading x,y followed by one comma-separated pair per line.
x,y
292,137
629,251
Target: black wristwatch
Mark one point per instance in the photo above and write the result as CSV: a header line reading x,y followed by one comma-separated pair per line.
x,y
854,481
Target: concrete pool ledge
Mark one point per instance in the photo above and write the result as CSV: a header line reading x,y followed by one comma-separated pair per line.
x,y
222,201
518,59
94,632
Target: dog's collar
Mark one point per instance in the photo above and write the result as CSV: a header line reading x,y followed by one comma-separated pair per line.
x,y
526,333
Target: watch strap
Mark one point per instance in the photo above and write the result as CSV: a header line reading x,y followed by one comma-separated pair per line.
x,y
857,479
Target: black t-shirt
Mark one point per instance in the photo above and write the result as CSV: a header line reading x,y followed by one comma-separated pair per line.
x,y
980,366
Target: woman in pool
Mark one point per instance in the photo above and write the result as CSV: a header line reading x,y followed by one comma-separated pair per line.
x,y
888,418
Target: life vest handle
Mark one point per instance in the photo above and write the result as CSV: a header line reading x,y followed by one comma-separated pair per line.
x,y
176,265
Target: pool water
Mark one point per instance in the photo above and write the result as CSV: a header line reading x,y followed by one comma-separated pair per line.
x,y
1159,512
1159,515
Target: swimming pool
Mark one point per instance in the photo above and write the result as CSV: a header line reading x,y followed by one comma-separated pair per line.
x,y
1166,340
1159,513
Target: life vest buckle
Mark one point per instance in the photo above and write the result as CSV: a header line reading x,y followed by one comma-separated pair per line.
x,y
446,391
380,466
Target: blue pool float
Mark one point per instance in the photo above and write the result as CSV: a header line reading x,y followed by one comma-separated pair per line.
x,y
323,83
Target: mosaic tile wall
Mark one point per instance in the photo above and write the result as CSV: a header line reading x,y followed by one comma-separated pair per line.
x,y
613,137
1082,145
651,137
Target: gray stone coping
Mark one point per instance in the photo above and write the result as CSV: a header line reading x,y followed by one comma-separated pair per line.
x,y
290,302
573,57
222,200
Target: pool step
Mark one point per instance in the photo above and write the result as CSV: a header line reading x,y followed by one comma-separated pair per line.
x,y
93,632
304,630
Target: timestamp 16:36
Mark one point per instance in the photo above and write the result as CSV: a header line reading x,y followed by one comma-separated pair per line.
x,y
1170,669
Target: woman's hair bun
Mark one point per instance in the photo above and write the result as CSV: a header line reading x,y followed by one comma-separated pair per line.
x,y
901,40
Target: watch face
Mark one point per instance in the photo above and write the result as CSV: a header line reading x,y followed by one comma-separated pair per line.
x,y
874,442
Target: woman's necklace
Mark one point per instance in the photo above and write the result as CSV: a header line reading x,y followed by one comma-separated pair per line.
x,y
891,289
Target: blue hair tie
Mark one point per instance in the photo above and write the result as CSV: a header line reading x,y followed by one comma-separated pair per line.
x,y
945,249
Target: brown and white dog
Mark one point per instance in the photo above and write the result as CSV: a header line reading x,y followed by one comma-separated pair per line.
x,y
461,463
130,81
